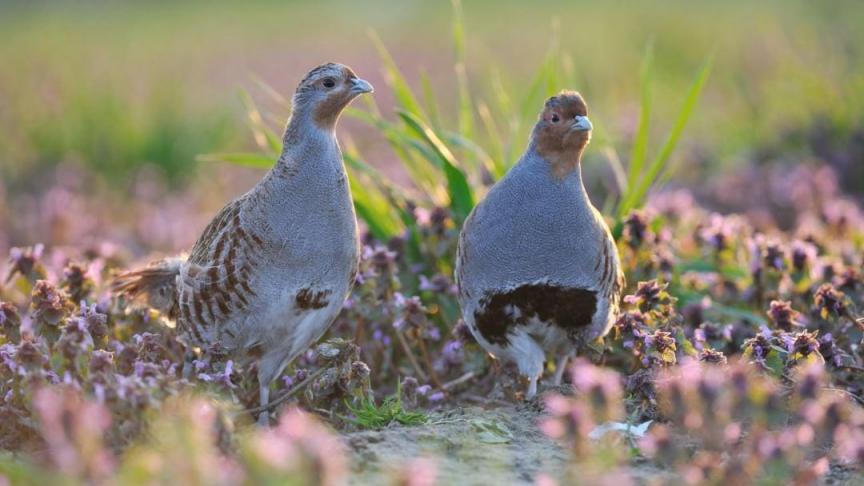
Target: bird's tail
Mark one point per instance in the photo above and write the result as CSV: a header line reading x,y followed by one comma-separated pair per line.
x,y
156,284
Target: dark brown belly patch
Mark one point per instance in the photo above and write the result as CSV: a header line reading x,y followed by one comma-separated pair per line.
x,y
568,308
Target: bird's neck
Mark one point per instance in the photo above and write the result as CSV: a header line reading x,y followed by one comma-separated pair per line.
x,y
301,125
564,171
563,160
310,157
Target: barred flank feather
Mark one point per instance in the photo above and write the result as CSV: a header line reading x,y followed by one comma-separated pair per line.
x,y
156,284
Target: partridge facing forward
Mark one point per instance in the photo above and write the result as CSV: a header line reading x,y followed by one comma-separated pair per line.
x,y
537,267
271,271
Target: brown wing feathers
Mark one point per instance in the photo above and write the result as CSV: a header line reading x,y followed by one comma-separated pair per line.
x,y
223,260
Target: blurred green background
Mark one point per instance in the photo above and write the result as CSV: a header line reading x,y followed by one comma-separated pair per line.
x,y
113,88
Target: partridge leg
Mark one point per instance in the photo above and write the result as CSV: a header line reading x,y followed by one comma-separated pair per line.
x,y
561,367
264,394
188,358
532,387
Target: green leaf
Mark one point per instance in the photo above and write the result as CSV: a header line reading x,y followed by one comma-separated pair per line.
x,y
401,91
429,99
372,206
492,431
728,311
458,31
506,110
19,470
265,137
635,195
369,415
617,169
461,196
471,147
640,143
493,135
466,111
685,344
659,163
775,364
424,170
273,93
539,88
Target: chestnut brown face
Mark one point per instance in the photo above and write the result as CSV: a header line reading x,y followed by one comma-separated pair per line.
x,y
328,89
563,131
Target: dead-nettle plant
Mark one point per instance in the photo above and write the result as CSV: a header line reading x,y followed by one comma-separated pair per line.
x,y
716,424
776,317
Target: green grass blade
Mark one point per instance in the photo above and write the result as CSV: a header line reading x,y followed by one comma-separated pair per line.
x,y
373,207
658,164
458,31
493,135
473,148
264,136
459,191
506,111
640,143
371,416
429,100
550,67
546,81
501,94
617,168
401,91
272,93
394,204
466,107
537,90
274,141
368,213
424,170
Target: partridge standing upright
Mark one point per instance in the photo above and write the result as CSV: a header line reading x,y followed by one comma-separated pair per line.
x,y
537,267
271,271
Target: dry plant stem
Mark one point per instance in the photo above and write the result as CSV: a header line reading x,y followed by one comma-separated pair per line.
x,y
487,400
387,363
425,352
360,331
458,381
285,396
411,357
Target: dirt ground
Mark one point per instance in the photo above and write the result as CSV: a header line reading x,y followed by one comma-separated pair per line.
x,y
470,446
476,446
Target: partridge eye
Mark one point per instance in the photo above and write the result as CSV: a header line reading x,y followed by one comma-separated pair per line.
x,y
329,82
555,118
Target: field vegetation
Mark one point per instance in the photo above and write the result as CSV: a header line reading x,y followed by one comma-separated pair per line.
x,y
728,156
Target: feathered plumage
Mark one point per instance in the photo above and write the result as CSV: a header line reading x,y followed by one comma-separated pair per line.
x,y
270,272
537,267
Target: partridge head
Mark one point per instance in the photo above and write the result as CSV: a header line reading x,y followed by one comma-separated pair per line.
x,y
563,131
326,91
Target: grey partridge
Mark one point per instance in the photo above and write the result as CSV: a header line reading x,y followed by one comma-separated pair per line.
x,y
537,267
270,273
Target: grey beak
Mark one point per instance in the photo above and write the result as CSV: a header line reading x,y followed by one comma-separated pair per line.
x,y
582,124
360,86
